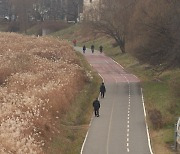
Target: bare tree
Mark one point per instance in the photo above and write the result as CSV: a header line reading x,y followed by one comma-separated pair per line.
x,y
72,9
22,10
156,26
112,18
58,9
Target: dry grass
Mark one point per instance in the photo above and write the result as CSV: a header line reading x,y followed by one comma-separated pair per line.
x,y
158,138
39,78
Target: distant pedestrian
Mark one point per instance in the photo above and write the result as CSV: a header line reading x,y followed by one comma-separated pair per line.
x,y
84,49
74,42
101,49
96,105
92,48
102,90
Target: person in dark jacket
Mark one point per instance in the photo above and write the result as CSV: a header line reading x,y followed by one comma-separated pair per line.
x,y
101,49
92,48
102,90
84,49
96,105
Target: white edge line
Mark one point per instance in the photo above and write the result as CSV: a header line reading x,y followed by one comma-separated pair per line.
x,y
82,148
149,140
101,76
123,67
117,63
84,142
135,76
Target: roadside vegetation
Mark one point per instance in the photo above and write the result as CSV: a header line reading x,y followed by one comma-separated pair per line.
x,y
42,103
161,89
75,123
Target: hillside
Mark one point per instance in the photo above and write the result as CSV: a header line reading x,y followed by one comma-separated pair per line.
x,y
40,79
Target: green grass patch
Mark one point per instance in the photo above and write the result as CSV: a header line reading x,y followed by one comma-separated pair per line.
x,y
74,124
68,33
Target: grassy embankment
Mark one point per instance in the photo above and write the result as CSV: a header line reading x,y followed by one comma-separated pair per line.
x,y
44,105
75,122
161,91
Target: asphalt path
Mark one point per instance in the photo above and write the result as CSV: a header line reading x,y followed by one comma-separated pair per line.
x,y
121,127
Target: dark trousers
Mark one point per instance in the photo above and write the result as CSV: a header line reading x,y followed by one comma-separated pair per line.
x,y
96,112
102,94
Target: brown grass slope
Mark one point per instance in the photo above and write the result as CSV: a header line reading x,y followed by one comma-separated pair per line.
x,y
39,78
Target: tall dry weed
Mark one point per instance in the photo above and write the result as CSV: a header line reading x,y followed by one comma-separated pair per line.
x,y
39,78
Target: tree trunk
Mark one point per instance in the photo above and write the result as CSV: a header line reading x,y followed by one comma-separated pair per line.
x,y
121,44
122,47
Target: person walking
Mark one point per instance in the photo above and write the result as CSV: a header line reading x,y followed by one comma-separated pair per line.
x,y
101,49
102,90
92,48
96,105
84,49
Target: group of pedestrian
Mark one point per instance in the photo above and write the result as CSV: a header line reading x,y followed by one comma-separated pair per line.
x,y
96,102
92,48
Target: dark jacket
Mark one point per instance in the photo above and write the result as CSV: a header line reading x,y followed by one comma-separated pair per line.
x,y
96,104
102,88
84,47
92,46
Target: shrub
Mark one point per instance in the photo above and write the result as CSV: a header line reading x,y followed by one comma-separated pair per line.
x,y
155,24
175,85
155,118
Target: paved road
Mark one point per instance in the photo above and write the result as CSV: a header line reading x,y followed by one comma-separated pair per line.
x,y
121,127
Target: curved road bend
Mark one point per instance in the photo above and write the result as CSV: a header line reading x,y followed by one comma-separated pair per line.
x,y
121,127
